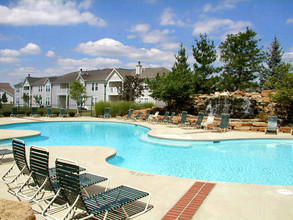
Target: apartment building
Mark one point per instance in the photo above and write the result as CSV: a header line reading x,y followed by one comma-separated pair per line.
x,y
101,85
6,88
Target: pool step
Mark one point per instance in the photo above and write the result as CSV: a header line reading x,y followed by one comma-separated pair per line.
x,y
148,139
188,205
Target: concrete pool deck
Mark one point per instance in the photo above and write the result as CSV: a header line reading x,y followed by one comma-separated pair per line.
x,y
225,201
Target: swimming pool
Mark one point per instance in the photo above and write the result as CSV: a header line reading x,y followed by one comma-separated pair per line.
x,y
241,161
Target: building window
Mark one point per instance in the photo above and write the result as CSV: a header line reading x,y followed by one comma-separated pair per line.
x,y
40,88
17,90
17,101
48,88
94,86
48,101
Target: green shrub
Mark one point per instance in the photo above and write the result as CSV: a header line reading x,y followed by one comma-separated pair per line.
x,y
119,108
28,112
41,112
56,112
6,113
71,113
21,111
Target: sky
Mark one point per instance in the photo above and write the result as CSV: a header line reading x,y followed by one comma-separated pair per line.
x,y
55,37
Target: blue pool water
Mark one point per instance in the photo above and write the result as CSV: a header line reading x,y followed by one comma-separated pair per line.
x,y
243,161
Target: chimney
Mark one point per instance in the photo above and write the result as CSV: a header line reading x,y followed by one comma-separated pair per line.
x,y
28,75
80,72
138,68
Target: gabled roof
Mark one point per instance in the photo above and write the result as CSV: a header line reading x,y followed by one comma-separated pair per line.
x,y
67,78
96,75
7,88
152,72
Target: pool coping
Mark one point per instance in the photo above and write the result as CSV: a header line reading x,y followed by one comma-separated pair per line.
x,y
214,201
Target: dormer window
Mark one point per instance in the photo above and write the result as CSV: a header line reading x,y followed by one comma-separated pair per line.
x,y
48,88
94,86
40,88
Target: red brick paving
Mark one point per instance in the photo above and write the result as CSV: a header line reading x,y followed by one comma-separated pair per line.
x,y
188,205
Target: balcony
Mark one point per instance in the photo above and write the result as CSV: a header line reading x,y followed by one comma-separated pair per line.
x,y
63,91
113,91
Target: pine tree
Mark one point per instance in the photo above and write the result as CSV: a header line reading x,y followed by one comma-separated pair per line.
x,y
174,88
242,60
274,60
205,54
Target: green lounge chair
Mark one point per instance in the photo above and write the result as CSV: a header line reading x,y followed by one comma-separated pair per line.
x,y
44,178
34,112
107,113
164,118
130,112
68,179
182,121
63,112
224,125
49,113
147,115
4,152
199,121
170,119
272,125
137,117
11,178
15,112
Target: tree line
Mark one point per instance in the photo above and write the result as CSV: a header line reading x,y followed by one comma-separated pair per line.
x,y
245,66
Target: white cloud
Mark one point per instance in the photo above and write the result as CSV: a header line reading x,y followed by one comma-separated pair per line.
x,y
219,27
131,36
141,28
290,20
147,36
169,18
23,71
47,12
170,45
85,4
31,48
9,53
9,60
114,48
86,63
223,5
288,57
50,53
155,36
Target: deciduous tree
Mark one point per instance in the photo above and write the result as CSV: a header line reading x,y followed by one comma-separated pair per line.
x,y
132,88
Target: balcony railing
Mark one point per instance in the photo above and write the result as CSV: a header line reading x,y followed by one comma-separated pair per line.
x,y
63,92
113,91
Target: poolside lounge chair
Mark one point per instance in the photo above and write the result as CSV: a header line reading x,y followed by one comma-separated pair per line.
x,y
130,112
272,125
163,119
209,121
224,125
43,178
147,115
10,177
170,119
199,121
49,113
137,117
4,152
154,116
106,113
15,112
34,112
68,179
63,112
182,121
